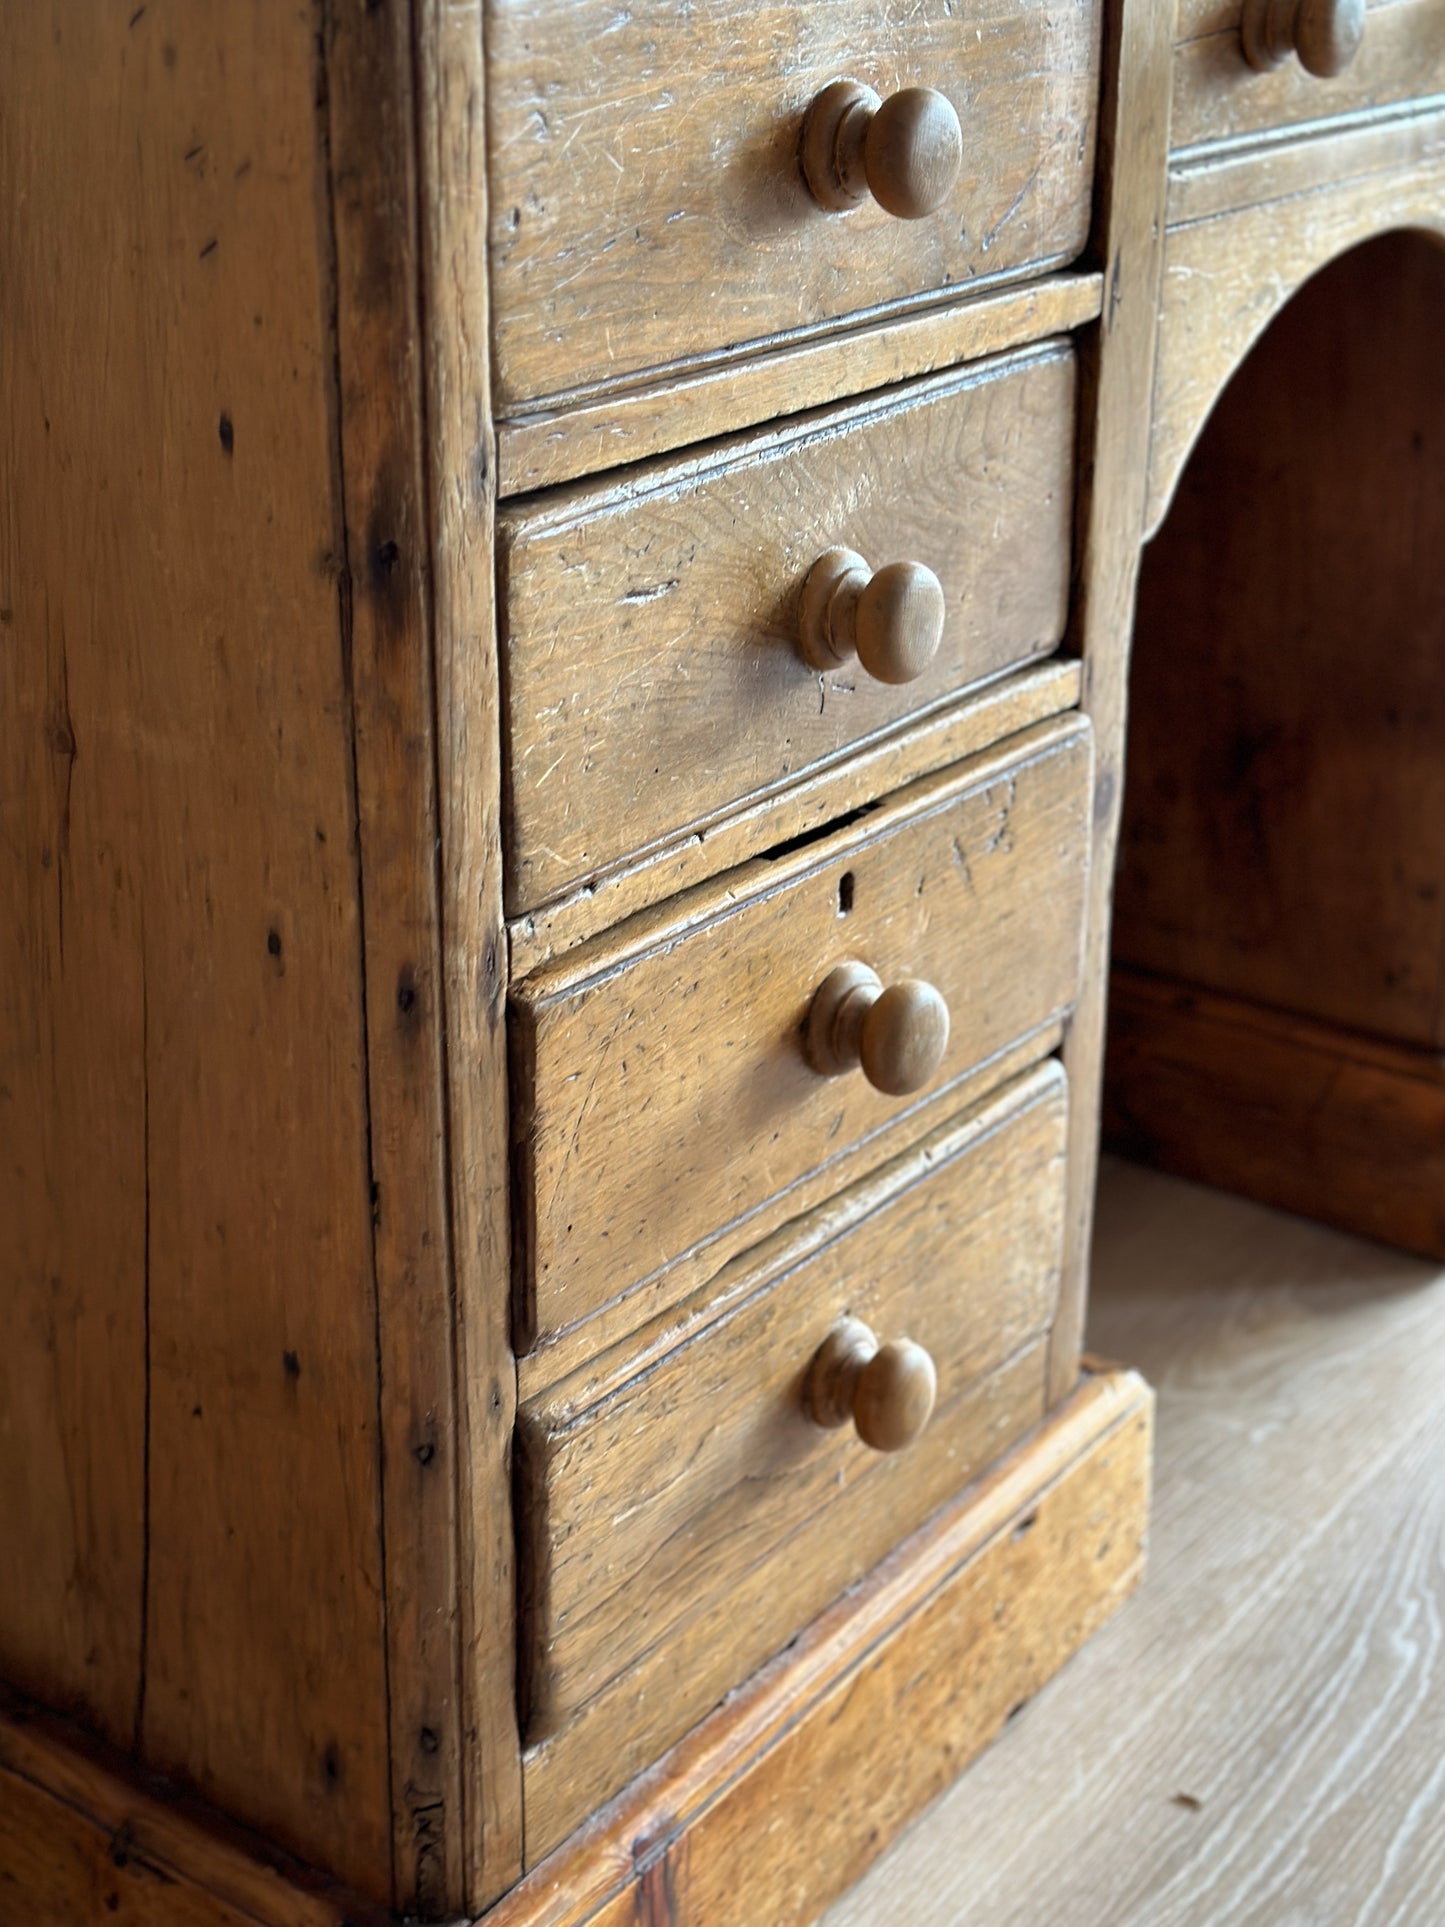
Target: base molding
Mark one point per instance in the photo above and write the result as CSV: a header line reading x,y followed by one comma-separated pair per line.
x,y
84,1839
768,1810
778,1802
1306,1116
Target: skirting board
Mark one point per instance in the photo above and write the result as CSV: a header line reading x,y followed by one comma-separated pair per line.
x,y
769,1809
1306,1116
84,1839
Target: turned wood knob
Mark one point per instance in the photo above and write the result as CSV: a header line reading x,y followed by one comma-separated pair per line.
x,y
887,1391
904,151
891,619
897,1035
1326,34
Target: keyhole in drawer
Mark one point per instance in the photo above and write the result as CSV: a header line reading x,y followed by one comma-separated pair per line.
x,y
845,893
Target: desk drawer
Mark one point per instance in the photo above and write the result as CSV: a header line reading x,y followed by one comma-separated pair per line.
x,y
682,1529
1218,95
648,204
661,1090
652,631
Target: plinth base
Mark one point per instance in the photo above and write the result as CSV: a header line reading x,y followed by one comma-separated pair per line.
x,y
769,1809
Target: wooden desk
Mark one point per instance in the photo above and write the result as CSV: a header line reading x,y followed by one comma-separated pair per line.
x,y
568,575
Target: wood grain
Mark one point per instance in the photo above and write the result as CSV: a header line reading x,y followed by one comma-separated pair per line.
x,y
1226,279
651,639
185,1052
1306,1116
623,1338
680,1036
1012,1573
1286,772
784,1794
1259,1737
371,146
1210,181
461,498
73,1222
683,1530
549,445
1118,381
1218,96
658,150
82,1842
57,1867
920,748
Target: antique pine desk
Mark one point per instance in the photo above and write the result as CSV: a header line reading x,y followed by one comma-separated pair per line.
x,y
566,577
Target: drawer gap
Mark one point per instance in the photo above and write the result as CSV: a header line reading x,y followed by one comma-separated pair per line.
x,y
807,838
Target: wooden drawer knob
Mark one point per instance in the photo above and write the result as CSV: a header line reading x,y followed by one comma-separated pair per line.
x,y
897,1035
1326,34
887,1391
904,151
891,619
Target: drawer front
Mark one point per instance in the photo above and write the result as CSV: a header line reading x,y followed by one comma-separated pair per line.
x,y
681,1531
661,1092
648,203
655,673
1219,96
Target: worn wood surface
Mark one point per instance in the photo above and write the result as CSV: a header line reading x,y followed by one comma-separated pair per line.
x,y
192,1448
82,1843
1258,1739
1219,96
679,1533
631,424
461,491
372,144
1012,1577
1307,1116
1261,1732
681,1035
655,149
1225,279
74,1229
57,1867
623,1338
783,1795
930,743
1118,380
651,628
1284,839
1211,180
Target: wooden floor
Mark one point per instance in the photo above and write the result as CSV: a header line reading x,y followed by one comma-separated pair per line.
x,y
1260,1736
